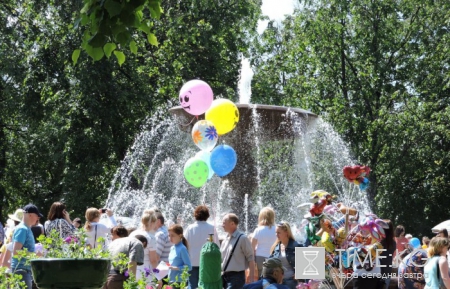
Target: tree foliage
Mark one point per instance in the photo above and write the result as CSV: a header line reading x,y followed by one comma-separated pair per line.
x,y
376,70
66,128
113,24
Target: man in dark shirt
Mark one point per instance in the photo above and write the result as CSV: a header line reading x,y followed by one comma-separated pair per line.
x,y
272,273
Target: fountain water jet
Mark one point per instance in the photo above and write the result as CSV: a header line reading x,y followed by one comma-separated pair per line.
x,y
283,155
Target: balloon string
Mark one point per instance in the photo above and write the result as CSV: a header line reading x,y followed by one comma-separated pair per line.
x,y
189,123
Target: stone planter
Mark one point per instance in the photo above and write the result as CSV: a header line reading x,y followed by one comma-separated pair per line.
x,y
70,273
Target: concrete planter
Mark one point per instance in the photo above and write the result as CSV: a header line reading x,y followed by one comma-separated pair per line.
x,y
70,273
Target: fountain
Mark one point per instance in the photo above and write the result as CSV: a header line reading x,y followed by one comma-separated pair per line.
x,y
259,126
283,155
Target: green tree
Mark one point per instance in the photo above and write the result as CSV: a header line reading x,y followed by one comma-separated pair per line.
x,y
66,128
75,123
374,70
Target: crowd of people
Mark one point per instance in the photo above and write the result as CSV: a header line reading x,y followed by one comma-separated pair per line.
x,y
263,259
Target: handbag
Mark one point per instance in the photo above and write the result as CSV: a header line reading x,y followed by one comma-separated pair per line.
x,y
441,282
95,237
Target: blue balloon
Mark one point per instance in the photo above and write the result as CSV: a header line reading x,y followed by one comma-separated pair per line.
x,y
364,185
415,243
223,160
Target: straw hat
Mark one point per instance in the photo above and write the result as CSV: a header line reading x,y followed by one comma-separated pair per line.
x,y
17,216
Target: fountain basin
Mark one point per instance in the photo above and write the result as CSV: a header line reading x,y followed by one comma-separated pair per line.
x,y
258,124
271,115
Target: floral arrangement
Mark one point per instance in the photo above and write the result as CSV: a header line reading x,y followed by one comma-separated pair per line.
x,y
76,247
144,283
133,283
73,247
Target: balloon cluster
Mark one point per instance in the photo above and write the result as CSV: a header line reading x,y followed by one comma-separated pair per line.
x,y
357,175
346,239
221,117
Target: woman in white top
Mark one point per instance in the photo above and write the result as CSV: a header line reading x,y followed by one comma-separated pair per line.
x,y
264,236
148,222
94,229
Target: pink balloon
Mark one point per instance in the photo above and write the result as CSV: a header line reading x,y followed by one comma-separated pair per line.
x,y
330,209
196,96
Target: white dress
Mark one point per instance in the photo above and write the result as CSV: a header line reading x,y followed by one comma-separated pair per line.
x,y
151,246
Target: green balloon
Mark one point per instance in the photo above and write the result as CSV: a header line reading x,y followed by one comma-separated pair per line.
x,y
196,172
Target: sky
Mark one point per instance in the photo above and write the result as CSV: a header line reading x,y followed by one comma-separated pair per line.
x,y
275,9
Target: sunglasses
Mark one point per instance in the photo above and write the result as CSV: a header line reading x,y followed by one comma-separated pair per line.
x,y
283,224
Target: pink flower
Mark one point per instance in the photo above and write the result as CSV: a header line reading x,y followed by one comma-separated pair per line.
x,y
70,240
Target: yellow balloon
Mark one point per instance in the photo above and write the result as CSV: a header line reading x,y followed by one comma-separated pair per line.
x,y
327,242
224,114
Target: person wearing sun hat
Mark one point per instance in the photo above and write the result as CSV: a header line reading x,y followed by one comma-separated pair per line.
x,y
23,239
16,218
272,276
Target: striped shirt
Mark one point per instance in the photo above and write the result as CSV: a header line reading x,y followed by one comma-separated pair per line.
x,y
163,244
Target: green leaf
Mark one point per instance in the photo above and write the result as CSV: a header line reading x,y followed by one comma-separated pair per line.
x,y
128,19
98,53
155,9
84,19
145,27
95,52
123,37
109,48
117,29
152,39
85,8
133,47
120,57
75,55
138,19
97,40
114,8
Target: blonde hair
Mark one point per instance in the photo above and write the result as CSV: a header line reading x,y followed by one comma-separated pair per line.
x,y
148,216
285,227
149,211
266,217
91,215
436,245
